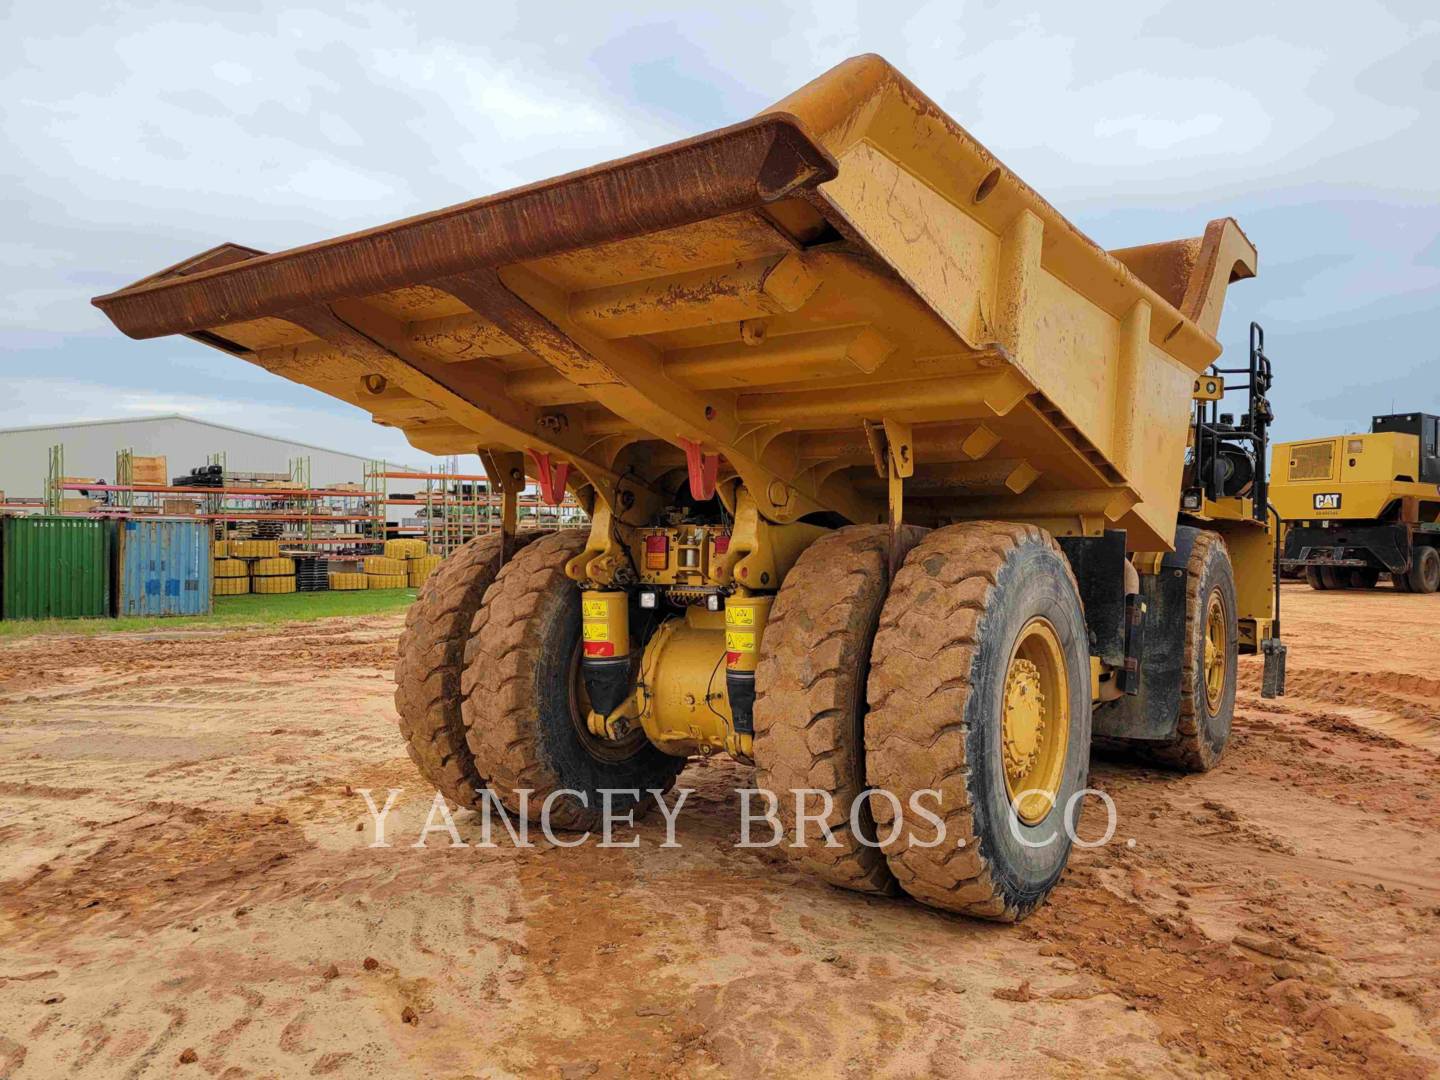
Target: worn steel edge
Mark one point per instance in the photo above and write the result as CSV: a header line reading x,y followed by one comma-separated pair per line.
x,y
734,169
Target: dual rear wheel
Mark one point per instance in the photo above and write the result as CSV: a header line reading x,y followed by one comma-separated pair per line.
x,y
489,694
945,714
1423,576
1323,578
961,690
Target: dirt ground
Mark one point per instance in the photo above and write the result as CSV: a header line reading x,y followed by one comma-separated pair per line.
x,y
186,888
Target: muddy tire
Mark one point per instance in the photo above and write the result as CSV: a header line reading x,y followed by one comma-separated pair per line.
x,y
1424,575
810,698
1207,691
1315,577
523,709
1331,578
428,667
977,612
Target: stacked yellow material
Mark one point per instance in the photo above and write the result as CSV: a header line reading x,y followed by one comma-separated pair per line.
x,y
273,574
254,549
385,581
385,571
277,567
341,582
232,586
417,570
404,549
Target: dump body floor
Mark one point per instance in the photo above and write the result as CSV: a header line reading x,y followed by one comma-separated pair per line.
x,y
182,865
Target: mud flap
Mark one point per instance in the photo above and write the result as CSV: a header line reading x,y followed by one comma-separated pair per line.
x,y
1154,711
1272,683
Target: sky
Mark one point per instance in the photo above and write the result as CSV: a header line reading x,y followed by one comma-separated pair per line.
x,y
143,133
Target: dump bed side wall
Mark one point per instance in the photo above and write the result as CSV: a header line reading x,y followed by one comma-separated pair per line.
x,y
1004,268
1093,357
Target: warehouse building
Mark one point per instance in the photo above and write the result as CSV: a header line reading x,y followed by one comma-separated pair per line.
x,y
90,448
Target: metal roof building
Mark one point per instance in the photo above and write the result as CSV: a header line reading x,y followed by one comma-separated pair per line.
x,y
90,448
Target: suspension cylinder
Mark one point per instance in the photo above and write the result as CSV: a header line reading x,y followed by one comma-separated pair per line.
x,y
605,649
745,618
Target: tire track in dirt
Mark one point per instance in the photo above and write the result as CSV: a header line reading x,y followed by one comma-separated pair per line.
x,y
1211,999
1277,915
1403,707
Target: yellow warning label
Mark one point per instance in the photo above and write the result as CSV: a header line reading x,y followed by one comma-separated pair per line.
x,y
594,609
739,616
739,641
595,631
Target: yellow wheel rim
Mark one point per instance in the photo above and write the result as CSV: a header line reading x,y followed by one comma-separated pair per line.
x,y
1215,651
1035,721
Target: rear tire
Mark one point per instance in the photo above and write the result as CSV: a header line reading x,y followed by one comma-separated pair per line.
x,y
1331,578
1364,578
525,716
1315,578
1424,575
810,697
980,684
430,661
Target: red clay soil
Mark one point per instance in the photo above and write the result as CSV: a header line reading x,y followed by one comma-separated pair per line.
x,y
186,887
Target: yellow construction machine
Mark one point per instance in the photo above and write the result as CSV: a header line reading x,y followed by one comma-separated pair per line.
x,y
884,462
1358,506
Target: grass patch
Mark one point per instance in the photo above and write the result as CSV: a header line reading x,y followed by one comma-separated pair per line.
x,y
249,610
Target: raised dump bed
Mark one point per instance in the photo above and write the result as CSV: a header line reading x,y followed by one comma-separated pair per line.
x,y
845,310
760,290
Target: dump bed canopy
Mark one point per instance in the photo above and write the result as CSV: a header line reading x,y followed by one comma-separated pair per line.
x,y
757,293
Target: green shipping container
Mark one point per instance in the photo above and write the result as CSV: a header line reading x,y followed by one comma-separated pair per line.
x,y
55,567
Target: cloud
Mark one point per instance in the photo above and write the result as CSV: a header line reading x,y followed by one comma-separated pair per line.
x,y
38,400
148,131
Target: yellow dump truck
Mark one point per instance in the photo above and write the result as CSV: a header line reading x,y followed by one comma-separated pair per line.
x,y
884,462
1358,506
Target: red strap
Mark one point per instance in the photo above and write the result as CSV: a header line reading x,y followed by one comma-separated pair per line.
x,y
552,477
704,470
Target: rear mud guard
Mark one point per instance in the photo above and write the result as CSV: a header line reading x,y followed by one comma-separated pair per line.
x,y
1154,711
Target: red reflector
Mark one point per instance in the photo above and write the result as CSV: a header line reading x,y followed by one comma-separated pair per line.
x,y
599,648
731,659
722,544
657,552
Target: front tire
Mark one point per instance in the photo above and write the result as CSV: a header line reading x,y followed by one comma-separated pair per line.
x,y
980,690
525,714
1208,672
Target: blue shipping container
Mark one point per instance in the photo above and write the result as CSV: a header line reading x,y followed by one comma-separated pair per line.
x,y
163,567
